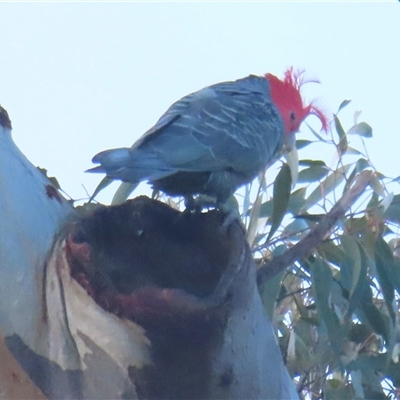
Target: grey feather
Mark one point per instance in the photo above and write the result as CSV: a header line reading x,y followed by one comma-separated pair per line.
x,y
209,142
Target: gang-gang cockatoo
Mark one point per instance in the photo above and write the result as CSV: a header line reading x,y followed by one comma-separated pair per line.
x,y
213,141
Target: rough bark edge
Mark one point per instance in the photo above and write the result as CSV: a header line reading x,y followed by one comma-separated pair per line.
x,y
271,268
14,381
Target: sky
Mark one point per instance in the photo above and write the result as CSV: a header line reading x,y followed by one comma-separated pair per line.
x,y
78,78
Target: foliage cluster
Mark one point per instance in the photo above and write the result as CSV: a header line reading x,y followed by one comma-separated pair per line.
x,y
336,310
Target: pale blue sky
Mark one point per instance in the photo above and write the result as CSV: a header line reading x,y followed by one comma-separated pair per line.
x,y
77,78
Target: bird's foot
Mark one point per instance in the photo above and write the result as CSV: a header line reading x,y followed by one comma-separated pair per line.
x,y
228,208
231,216
199,203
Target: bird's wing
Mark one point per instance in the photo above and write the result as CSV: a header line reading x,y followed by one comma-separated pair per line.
x,y
231,125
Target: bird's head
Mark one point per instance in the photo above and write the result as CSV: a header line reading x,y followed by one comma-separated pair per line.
x,y
286,96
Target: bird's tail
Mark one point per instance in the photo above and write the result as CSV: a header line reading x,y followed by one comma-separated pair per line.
x,y
131,165
120,164
111,160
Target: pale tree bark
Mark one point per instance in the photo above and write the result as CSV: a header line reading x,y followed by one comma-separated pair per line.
x,y
133,301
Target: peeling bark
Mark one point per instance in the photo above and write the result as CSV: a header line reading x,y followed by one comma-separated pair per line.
x,y
133,301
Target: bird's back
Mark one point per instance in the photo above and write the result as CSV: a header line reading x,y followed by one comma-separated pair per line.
x,y
209,142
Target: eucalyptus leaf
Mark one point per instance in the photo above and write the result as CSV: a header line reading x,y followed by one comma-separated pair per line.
x,y
311,163
361,164
352,151
265,209
342,146
322,282
281,195
296,229
301,143
385,265
253,223
317,135
369,313
269,292
312,174
377,185
343,104
361,129
351,267
392,213
102,185
332,253
360,282
333,391
333,180
388,281
297,200
123,192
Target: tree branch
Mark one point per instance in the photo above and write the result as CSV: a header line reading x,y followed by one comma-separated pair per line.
x,y
317,234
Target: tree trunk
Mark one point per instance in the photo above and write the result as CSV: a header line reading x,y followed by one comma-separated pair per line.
x,y
133,301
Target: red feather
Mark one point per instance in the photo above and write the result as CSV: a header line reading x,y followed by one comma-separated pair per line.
x,y
287,97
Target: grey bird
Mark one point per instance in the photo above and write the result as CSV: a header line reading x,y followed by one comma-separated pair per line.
x,y
215,140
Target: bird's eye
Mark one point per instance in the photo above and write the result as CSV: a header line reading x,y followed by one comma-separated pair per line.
x,y
292,116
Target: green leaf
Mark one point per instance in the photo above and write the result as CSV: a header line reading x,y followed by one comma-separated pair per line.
x,y
333,390
304,331
265,209
269,292
361,129
357,113
393,373
311,163
322,282
352,151
246,203
332,253
300,355
392,213
388,278
357,292
102,185
296,229
371,368
386,267
331,182
123,192
357,226
301,143
296,202
368,313
312,174
342,146
253,223
361,165
351,267
343,105
376,185
281,195
317,135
